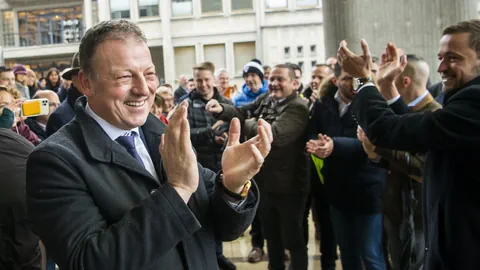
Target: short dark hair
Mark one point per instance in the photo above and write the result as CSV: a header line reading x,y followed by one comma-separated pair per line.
x,y
266,67
472,27
337,71
291,72
106,30
205,66
191,80
5,69
296,67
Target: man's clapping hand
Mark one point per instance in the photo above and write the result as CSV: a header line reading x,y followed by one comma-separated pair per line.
x,y
178,157
359,66
322,147
242,161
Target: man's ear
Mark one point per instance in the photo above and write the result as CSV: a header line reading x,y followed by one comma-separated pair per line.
x,y
334,80
85,82
407,81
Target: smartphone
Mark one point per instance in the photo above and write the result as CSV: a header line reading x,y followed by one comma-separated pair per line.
x,y
34,107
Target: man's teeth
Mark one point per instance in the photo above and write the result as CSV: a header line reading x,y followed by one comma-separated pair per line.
x,y
135,103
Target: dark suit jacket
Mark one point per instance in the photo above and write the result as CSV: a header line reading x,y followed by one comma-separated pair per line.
x,y
64,113
19,246
96,207
451,181
354,184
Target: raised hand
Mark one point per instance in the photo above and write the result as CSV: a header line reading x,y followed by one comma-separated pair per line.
x,y
391,66
359,66
241,162
178,157
214,107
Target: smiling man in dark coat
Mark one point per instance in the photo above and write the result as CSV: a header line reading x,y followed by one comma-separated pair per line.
x,y
116,189
451,136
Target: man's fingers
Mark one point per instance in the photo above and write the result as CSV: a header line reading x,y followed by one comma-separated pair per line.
x,y
257,156
384,59
234,132
265,143
365,49
393,51
268,129
403,62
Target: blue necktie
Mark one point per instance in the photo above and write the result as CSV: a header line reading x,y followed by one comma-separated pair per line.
x,y
128,142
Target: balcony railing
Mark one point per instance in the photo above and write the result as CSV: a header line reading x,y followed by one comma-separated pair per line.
x,y
39,38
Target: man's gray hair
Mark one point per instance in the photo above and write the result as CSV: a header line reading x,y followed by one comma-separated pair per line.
x,y
220,71
106,30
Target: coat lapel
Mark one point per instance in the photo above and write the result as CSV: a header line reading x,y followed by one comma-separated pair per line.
x,y
152,130
102,148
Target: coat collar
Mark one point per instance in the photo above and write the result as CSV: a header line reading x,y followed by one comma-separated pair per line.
x,y
475,81
103,149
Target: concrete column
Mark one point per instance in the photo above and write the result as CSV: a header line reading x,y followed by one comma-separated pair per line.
x,y
168,52
87,14
1,56
103,10
414,25
259,20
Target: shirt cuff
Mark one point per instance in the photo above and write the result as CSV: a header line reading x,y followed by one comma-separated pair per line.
x,y
237,206
393,100
365,85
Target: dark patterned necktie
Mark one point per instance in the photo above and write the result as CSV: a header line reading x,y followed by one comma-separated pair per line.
x,y
128,142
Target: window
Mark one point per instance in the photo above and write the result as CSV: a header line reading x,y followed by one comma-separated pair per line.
x,y
8,29
313,49
216,54
95,18
148,8
184,60
286,51
276,3
300,64
307,3
210,6
242,5
314,63
243,53
182,7
300,51
50,26
119,9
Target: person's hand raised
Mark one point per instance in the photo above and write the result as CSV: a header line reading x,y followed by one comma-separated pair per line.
x,y
242,161
178,157
359,66
391,66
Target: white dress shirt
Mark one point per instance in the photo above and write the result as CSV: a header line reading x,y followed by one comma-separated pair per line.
x,y
342,106
114,132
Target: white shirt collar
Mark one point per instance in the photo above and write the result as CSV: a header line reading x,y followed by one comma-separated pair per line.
x,y
418,99
112,131
339,99
44,127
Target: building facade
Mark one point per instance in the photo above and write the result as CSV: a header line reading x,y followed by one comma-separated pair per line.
x,y
180,33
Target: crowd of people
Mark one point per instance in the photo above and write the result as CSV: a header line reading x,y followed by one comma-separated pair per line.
x,y
126,173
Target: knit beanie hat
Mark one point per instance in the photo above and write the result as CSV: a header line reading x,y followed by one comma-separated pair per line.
x,y
254,66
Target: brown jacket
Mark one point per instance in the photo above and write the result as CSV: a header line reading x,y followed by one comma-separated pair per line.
x,y
285,169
